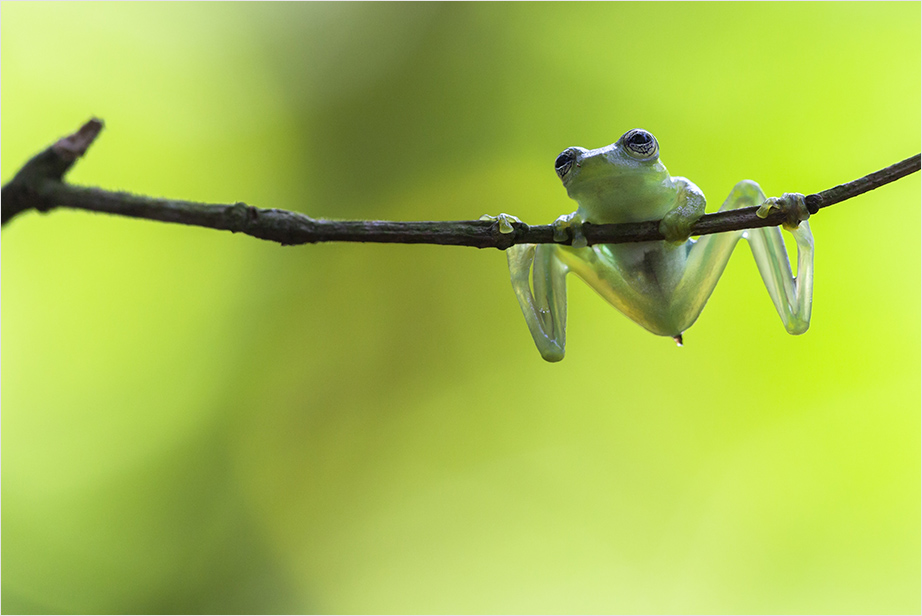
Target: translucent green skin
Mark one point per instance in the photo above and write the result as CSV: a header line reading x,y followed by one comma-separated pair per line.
x,y
662,285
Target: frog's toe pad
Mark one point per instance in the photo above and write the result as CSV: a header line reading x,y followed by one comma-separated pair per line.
x,y
505,221
792,204
675,227
566,224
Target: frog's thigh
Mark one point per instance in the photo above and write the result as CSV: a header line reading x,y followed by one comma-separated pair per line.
x,y
707,257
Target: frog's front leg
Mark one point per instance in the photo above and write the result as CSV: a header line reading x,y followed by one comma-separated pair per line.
x,y
677,223
544,302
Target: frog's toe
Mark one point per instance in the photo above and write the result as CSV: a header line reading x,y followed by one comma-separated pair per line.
x,y
792,204
675,227
505,221
567,224
561,227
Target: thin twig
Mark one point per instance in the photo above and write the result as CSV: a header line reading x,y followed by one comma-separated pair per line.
x,y
40,185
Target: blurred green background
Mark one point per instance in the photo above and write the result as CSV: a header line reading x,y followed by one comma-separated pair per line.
x,y
194,421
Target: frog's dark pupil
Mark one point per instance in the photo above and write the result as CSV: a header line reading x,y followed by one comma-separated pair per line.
x,y
563,163
639,138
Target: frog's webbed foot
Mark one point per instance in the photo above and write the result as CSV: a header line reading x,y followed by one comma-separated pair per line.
x,y
570,223
793,206
505,221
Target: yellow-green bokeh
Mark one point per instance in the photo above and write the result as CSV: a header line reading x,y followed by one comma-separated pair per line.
x,y
194,421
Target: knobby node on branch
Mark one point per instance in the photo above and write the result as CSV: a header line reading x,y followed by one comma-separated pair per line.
x,y
40,185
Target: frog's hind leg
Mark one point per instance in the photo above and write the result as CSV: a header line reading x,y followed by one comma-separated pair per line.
x,y
708,256
544,301
706,259
792,296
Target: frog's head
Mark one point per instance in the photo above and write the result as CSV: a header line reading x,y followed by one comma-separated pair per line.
x,y
628,170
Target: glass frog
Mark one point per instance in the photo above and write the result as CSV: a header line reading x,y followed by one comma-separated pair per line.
x,y
661,285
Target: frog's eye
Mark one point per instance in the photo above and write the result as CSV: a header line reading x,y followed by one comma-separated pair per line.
x,y
564,162
640,144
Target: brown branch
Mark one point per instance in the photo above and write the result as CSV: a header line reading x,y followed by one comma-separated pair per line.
x,y
40,185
